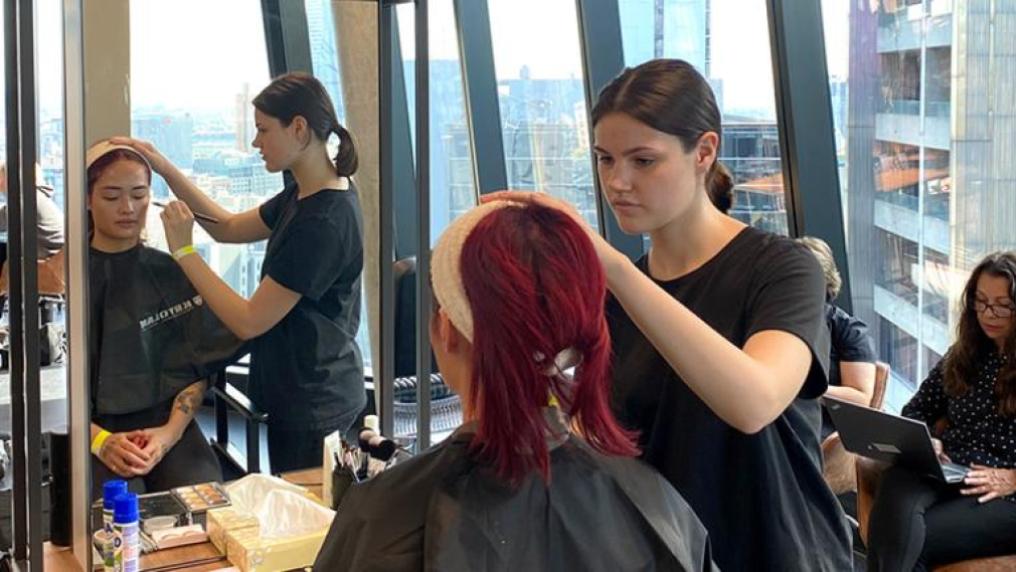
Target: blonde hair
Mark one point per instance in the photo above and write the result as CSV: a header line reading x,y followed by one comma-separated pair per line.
x,y
824,254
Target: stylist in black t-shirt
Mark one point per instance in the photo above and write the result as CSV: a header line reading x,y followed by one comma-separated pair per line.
x,y
720,344
306,369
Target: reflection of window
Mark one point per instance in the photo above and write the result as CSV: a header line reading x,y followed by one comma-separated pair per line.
x,y
452,190
206,132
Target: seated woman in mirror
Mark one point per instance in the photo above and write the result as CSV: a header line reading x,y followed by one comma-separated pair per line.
x,y
540,475
152,342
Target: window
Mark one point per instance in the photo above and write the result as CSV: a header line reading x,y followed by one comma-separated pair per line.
x,y
452,189
192,100
542,100
923,112
725,43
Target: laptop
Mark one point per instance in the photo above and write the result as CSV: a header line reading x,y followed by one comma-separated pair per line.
x,y
886,437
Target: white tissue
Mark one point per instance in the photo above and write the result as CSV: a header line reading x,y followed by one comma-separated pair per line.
x,y
282,509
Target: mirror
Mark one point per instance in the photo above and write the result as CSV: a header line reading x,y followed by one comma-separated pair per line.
x,y
166,327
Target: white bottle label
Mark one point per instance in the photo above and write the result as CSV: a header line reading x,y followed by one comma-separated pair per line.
x,y
126,547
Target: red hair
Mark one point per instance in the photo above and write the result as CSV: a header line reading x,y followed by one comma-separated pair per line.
x,y
536,287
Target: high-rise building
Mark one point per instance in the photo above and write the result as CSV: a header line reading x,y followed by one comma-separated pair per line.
x,y
243,119
172,134
930,174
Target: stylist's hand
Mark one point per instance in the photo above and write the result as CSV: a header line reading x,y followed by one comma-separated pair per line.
x,y
178,222
609,256
990,483
123,456
155,442
160,164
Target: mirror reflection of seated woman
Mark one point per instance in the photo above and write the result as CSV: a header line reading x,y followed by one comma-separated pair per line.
x,y
521,485
152,342
918,522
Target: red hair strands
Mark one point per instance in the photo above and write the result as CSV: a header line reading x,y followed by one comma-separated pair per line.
x,y
535,288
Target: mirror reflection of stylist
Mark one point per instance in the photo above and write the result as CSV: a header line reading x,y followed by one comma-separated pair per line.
x,y
719,333
306,369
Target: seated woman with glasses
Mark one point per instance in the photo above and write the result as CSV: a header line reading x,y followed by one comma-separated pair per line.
x,y
540,476
917,522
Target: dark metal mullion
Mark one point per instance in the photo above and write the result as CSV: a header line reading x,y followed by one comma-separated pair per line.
x,y
384,378
423,221
805,120
403,171
29,279
15,301
602,60
275,43
479,84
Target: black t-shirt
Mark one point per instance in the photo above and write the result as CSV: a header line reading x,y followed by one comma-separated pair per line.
x,y
849,340
850,343
762,496
306,371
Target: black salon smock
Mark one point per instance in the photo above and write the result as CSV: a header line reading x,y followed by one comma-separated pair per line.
x,y
443,511
306,371
150,333
761,497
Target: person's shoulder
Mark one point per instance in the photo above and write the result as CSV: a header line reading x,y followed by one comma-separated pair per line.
x,y
777,253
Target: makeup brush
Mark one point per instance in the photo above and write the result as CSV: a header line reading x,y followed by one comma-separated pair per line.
x,y
198,216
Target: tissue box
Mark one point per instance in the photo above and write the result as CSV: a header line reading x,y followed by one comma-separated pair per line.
x,y
291,525
250,553
223,520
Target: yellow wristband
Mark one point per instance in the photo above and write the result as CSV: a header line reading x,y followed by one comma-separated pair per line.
x,y
99,441
184,251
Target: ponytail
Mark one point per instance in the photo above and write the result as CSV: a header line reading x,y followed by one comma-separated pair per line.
x,y
720,186
346,160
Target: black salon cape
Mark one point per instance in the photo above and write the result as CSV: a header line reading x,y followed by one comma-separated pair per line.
x,y
151,335
443,511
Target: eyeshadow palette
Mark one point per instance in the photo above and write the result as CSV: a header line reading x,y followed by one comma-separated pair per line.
x,y
202,497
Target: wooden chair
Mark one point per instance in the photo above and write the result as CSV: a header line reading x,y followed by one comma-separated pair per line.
x,y
838,465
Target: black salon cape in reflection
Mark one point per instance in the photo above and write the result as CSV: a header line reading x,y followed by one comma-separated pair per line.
x,y
150,333
443,511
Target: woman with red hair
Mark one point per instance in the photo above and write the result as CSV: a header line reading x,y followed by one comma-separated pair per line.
x,y
540,476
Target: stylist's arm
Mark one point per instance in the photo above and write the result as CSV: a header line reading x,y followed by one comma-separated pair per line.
x,y
245,318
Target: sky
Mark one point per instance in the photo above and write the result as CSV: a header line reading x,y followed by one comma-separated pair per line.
x,y
181,61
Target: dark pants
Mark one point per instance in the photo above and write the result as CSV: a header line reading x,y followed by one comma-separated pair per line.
x,y
190,461
294,449
918,522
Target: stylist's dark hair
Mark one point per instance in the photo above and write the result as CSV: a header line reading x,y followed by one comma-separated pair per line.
x,y
960,364
301,94
670,96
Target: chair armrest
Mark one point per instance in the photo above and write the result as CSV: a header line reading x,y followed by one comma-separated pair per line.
x,y
838,466
238,401
869,476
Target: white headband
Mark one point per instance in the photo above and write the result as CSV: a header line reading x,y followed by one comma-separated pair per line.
x,y
446,274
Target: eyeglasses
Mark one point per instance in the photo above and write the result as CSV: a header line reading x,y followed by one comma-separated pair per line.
x,y
997,310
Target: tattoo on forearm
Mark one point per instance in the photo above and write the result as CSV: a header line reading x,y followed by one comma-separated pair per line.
x,y
188,400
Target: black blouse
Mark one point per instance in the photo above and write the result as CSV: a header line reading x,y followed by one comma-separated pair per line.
x,y
976,432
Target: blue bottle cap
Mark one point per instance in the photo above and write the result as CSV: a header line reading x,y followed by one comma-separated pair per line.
x,y
111,490
125,509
